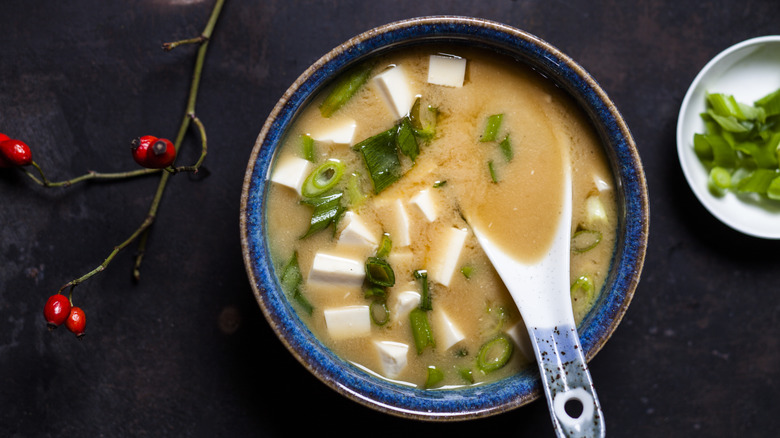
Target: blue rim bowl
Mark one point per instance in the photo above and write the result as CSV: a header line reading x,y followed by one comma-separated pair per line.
x,y
483,400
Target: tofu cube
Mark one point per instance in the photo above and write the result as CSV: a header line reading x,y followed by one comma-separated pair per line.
x,y
336,271
394,87
392,357
340,132
519,334
399,229
444,257
348,322
291,172
425,201
595,210
355,232
447,334
449,71
404,303
601,183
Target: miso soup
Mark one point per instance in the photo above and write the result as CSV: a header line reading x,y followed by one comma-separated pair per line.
x,y
370,194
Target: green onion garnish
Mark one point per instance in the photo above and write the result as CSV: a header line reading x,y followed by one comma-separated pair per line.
x,y
467,271
438,184
435,376
343,91
375,292
585,240
466,375
421,329
379,312
327,210
291,280
426,303
423,123
506,148
379,272
307,147
585,284
492,127
720,179
405,140
323,178
354,191
492,170
381,159
494,354
384,246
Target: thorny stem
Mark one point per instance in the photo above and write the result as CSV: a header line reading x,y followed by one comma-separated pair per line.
x,y
143,229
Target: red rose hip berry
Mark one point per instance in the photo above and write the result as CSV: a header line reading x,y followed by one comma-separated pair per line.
x,y
76,322
3,161
15,152
56,310
152,152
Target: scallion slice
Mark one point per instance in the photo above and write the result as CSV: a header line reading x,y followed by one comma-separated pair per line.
x,y
492,127
585,240
492,171
327,210
585,284
467,270
423,123
385,246
426,302
466,375
405,140
720,178
439,184
494,354
323,178
291,280
506,148
354,191
379,312
343,91
379,272
381,159
307,147
434,377
421,329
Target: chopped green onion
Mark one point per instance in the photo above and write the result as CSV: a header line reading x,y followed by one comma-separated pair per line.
x,y
438,184
466,375
379,312
506,148
770,103
435,376
379,272
323,178
381,159
720,178
343,91
757,181
405,140
424,124
307,147
375,292
425,298
467,270
421,329
585,240
773,191
385,246
492,170
327,210
354,191
492,127
585,284
291,280
494,354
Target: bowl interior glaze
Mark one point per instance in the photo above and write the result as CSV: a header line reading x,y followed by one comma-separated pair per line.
x,y
596,327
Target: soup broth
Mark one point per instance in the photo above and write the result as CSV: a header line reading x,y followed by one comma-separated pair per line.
x,y
511,184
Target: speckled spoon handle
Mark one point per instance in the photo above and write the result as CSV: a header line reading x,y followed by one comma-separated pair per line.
x,y
574,406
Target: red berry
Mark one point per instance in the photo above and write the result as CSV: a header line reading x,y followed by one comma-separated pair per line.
x,y
3,161
152,152
56,310
15,152
76,321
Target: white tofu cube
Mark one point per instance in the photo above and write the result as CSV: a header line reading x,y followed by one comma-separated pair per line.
x,y
404,303
336,271
519,334
601,183
447,334
392,357
355,232
449,71
400,225
291,172
426,202
394,87
340,132
595,210
348,322
444,257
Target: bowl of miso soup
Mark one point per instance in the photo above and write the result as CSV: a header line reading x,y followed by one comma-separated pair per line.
x,y
353,228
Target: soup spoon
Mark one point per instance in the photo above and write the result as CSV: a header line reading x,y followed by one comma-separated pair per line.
x,y
541,292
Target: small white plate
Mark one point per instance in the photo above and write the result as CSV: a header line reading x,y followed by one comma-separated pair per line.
x,y
748,70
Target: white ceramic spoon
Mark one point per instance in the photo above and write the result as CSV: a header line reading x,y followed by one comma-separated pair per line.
x,y
541,292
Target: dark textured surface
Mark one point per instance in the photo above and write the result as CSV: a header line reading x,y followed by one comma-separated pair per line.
x,y
187,352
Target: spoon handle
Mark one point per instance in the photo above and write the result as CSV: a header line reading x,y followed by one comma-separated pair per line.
x,y
571,397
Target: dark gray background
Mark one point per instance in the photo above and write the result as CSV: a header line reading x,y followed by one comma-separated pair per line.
x,y
696,355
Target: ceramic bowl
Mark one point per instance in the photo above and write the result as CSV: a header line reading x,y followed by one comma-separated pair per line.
x,y
748,71
479,401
